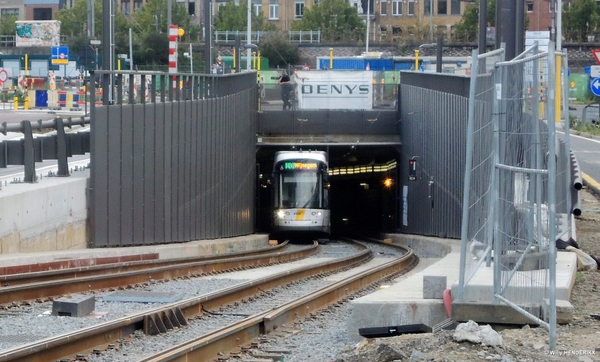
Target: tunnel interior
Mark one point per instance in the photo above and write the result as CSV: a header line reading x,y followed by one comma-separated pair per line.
x,y
363,194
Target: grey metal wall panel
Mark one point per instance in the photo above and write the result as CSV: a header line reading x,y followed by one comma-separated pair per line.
x,y
139,124
187,170
114,177
345,122
194,169
435,137
126,219
377,122
328,121
177,175
204,167
168,174
174,171
211,176
159,173
150,175
99,177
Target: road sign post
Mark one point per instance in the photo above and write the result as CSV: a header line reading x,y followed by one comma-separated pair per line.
x,y
595,88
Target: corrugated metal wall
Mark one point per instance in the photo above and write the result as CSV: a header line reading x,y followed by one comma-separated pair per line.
x,y
433,111
174,171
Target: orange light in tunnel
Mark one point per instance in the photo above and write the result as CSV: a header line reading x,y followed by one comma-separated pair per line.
x,y
387,182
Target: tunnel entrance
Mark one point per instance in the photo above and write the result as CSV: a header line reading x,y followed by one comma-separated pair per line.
x,y
363,192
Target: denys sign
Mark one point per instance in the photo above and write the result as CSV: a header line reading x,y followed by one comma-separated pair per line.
x,y
334,89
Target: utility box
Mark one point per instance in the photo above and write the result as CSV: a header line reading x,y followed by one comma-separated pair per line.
x,y
74,306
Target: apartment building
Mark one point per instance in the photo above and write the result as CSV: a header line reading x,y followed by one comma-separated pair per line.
x,y
389,20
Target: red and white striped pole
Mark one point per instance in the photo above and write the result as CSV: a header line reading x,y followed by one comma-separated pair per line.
x,y
173,35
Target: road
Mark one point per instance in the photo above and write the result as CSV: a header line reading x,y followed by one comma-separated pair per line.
x,y
586,149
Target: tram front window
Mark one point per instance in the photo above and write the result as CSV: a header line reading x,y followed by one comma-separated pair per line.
x,y
300,190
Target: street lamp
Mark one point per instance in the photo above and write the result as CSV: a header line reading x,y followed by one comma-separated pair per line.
x,y
96,43
431,21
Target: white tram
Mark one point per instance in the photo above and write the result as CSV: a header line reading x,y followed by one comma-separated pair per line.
x,y
301,192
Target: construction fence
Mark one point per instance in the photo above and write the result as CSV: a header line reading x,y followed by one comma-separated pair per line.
x,y
517,198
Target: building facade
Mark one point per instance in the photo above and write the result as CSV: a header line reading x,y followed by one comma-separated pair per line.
x,y
389,20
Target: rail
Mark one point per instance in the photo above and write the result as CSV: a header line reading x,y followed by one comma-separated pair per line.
x,y
268,321
176,313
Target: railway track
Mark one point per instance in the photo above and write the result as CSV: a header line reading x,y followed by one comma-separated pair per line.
x,y
208,346
46,284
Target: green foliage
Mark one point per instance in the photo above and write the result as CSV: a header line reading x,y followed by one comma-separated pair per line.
x,y
580,19
73,21
7,25
276,48
468,26
235,17
145,19
148,24
153,49
333,17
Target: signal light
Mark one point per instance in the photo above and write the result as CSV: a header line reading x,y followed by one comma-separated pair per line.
x,y
412,170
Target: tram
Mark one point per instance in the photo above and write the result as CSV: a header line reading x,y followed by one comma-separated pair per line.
x,y
301,193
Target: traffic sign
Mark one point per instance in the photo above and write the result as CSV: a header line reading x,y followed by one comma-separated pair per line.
x,y
595,71
60,55
596,53
3,76
595,86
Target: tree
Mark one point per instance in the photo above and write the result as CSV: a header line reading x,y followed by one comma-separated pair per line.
x,y
154,14
276,47
467,28
337,20
7,25
580,19
151,45
235,17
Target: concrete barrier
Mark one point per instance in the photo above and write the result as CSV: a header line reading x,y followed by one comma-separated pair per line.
x,y
45,216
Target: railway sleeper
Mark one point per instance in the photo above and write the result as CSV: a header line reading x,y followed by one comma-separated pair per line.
x,y
164,321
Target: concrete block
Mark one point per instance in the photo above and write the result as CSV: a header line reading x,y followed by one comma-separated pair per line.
x,y
491,313
564,311
434,286
74,306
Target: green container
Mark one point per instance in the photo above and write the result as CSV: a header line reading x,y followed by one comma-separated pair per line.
x,y
579,87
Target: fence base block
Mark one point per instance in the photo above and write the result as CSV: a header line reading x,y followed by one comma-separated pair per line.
x,y
491,313
564,311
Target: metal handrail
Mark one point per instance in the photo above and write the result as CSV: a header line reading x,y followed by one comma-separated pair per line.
x,y
301,36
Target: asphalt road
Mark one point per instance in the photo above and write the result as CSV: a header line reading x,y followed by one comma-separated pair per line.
x,y
585,148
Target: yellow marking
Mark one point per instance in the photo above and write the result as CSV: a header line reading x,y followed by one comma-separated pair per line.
x,y
300,215
589,180
273,242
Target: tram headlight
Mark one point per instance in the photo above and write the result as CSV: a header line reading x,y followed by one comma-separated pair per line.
x,y
316,213
281,214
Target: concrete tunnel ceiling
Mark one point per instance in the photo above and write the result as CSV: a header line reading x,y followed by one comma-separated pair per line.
x,y
360,202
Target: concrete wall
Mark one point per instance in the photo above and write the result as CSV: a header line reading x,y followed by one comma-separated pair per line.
x,y
45,216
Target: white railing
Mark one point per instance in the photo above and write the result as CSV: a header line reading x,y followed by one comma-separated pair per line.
x,y
302,36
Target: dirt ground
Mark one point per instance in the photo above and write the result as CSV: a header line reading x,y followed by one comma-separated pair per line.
x,y
577,341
